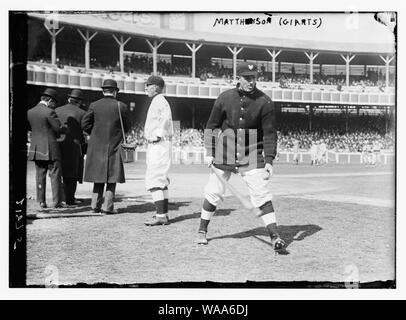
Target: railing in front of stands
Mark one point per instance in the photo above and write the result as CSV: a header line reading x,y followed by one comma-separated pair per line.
x,y
196,155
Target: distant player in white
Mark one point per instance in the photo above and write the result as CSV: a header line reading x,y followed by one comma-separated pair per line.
x,y
313,153
158,132
377,146
370,154
321,157
365,152
295,151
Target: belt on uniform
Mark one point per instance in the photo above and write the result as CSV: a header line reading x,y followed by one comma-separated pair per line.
x,y
160,140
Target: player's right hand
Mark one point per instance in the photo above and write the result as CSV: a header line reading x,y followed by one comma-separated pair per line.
x,y
209,160
268,171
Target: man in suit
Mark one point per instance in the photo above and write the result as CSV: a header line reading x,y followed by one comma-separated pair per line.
x,y
104,164
72,144
44,148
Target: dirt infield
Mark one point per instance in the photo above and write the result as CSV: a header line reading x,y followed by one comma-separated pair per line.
x,y
333,218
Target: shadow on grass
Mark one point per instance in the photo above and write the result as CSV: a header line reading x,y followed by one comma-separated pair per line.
x,y
196,215
150,207
287,233
136,208
84,206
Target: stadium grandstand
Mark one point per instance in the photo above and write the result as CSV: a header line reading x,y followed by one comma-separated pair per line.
x,y
336,84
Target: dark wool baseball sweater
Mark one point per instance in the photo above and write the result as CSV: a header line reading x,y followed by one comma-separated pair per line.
x,y
241,131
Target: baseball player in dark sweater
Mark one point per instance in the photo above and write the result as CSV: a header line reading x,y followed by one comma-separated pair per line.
x,y
241,138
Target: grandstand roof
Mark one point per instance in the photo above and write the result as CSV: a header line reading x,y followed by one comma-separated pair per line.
x,y
370,37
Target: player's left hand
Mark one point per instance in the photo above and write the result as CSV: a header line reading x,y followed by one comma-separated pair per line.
x,y
209,160
269,170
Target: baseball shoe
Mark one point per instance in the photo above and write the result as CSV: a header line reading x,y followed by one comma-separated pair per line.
x,y
277,243
74,202
96,210
157,221
109,212
201,238
61,205
43,205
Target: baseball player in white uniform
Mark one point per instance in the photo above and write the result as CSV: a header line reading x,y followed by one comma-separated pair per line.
x,y
377,153
158,132
241,138
295,150
313,153
321,157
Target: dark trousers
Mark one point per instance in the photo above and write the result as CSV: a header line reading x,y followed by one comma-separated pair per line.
x,y
97,196
69,186
54,169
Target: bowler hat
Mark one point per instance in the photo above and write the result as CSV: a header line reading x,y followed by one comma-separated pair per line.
x,y
50,93
110,83
247,69
157,80
77,94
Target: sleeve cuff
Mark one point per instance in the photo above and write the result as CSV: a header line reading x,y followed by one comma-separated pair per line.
x,y
269,159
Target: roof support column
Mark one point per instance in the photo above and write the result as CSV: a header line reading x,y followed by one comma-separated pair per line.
x,y
311,56
193,49
387,61
311,113
53,34
87,37
154,49
235,51
121,43
274,55
347,58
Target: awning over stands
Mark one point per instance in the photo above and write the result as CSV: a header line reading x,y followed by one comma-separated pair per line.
x,y
373,38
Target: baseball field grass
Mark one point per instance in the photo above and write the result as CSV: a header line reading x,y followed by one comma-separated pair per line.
x,y
338,222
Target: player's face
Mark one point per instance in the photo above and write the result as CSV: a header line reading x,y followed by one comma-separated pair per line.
x,y
151,90
247,83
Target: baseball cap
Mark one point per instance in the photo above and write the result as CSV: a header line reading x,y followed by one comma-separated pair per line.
x,y
157,80
247,69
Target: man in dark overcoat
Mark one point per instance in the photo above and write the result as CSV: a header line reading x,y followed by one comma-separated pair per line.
x,y
104,164
72,144
44,148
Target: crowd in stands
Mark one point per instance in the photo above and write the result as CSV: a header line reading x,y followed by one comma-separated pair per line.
x,y
144,65
206,69
362,131
138,64
297,81
183,137
348,142
332,129
369,130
